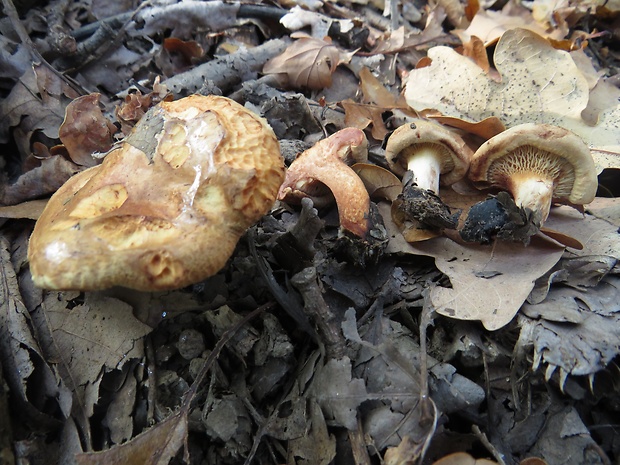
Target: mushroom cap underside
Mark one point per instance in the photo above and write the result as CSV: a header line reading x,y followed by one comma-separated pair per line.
x,y
547,150
455,152
166,218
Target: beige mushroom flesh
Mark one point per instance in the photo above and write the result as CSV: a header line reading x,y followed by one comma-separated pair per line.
x,y
537,164
166,208
426,154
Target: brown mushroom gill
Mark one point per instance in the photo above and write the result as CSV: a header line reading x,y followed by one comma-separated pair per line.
x,y
167,207
535,177
538,164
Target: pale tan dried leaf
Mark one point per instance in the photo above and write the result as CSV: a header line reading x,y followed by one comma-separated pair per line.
x,y
539,85
379,182
338,393
491,282
307,63
97,336
42,180
317,446
397,40
489,25
455,12
31,210
156,446
488,283
363,115
375,92
17,344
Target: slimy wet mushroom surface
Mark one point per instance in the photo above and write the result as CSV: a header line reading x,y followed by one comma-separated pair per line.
x,y
167,207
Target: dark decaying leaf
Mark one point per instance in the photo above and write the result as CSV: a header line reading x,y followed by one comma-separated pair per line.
x,y
157,446
584,341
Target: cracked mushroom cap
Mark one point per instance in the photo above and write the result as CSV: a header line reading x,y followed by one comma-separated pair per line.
x,y
166,208
549,152
455,154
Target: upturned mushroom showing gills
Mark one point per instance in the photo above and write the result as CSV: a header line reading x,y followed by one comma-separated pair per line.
x,y
167,207
537,164
427,154
326,165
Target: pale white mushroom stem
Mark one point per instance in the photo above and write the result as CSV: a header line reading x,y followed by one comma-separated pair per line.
x,y
425,163
533,191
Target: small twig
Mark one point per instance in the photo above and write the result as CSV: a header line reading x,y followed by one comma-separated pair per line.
x,y
227,71
426,319
286,300
104,38
490,447
306,281
11,12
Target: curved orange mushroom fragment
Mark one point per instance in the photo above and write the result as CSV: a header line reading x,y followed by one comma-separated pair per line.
x,y
326,163
166,208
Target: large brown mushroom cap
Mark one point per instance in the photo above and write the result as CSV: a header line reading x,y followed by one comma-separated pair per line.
x,y
167,208
454,153
551,152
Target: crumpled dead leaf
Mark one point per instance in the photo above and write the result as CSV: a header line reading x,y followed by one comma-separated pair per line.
x,y
306,63
36,103
338,393
85,130
101,332
156,446
377,100
488,283
21,353
578,348
44,179
539,85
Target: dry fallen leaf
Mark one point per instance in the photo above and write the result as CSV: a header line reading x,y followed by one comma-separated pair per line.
x,y
86,340
539,85
42,180
85,130
489,283
379,182
36,103
377,100
307,63
31,210
156,446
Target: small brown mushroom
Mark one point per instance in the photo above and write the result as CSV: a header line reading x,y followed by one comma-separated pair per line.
x,y
325,164
432,152
425,154
538,164
167,207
